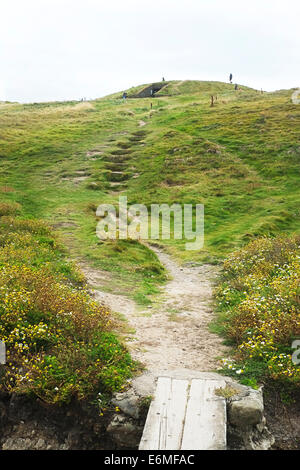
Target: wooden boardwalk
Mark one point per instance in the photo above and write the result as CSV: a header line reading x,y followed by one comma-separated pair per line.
x,y
186,415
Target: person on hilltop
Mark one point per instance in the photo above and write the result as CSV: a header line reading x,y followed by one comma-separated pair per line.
x,y
230,78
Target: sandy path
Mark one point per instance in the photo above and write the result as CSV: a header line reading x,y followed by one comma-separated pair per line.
x,y
174,332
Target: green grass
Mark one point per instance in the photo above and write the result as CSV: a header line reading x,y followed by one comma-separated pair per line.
x,y
239,158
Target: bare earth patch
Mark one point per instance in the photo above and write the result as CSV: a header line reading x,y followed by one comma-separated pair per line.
x,y
174,332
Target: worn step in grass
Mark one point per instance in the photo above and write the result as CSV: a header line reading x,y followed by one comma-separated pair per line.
x,y
117,158
124,145
117,185
121,151
118,176
116,166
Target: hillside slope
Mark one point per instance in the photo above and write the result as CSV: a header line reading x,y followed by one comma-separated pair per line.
x,y
239,158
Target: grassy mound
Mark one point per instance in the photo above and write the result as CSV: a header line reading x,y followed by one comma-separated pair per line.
x,y
240,158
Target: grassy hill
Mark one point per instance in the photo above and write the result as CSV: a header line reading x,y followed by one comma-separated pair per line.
x,y
240,158
59,161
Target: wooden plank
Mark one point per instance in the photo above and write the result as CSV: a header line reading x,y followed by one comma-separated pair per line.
x,y
164,425
151,433
205,422
172,425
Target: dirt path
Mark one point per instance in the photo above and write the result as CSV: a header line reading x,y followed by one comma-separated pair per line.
x,y
174,332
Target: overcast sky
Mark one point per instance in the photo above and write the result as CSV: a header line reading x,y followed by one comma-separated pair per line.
x,y
69,49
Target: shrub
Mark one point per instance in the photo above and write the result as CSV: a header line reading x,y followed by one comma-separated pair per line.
x,y
260,299
60,343
9,208
12,224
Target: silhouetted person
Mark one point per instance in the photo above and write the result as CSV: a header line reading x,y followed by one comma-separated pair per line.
x,y
124,95
230,78
236,86
163,79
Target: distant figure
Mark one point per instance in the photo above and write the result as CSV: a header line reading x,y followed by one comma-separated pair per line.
x,y
163,79
150,105
230,78
236,86
124,95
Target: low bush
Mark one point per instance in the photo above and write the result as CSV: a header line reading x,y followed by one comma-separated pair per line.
x,y
60,343
259,298
9,208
